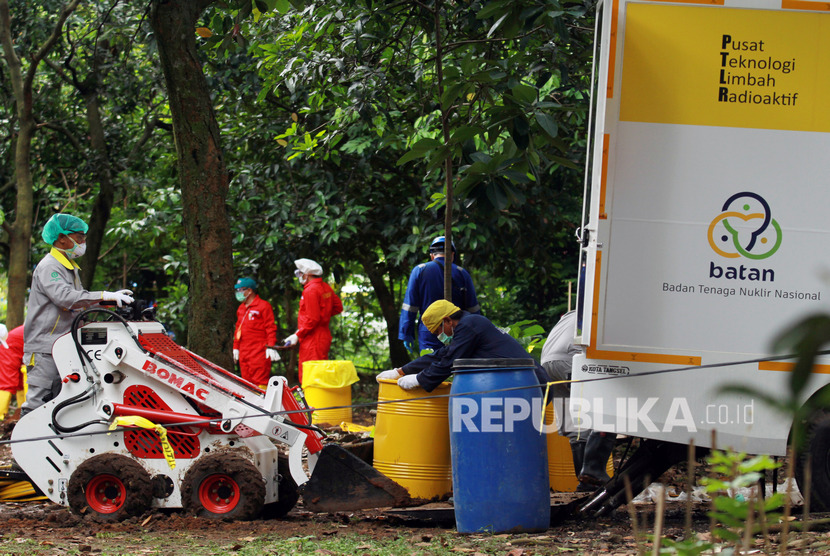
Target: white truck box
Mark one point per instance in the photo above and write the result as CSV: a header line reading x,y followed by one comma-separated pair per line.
x,y
707,228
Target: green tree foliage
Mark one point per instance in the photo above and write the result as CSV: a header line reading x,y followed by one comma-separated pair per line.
x,y
98,106
343,136
19,45
337,135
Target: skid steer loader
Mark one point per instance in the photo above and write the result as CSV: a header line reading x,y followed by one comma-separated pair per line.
x,y
141,423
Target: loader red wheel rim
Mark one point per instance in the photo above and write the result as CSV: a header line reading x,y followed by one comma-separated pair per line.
x,y
219,493
105,494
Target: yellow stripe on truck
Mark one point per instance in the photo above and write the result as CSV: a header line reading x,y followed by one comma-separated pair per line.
x,y
788,367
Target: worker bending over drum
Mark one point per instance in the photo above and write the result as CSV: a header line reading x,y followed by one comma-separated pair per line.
x,y
464,336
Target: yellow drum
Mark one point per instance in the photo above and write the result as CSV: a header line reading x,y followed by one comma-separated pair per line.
x,y
328,384
412,439
560,459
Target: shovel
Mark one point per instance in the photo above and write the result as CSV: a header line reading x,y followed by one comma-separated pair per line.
x,y
343,482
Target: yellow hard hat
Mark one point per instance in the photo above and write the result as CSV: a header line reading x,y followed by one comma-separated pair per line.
x,y
436,312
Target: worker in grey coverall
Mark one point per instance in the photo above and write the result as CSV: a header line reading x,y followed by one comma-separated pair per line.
x,y
55,297
590,449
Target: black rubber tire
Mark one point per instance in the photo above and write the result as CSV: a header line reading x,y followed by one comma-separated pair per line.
x,y
287,493
817,452
223,486
109,487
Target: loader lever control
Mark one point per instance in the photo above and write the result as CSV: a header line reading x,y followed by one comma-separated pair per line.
x,y
74,377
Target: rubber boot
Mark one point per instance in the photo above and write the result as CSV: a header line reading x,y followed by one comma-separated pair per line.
x,y
578,451
597,450
5,401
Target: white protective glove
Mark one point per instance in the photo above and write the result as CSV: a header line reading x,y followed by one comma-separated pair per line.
x,y
236,355
121,297
391,374
271,353
291,340
409,382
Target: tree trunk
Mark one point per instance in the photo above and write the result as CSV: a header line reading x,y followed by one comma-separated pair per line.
x,y
203,178
102,207
20,231
390,311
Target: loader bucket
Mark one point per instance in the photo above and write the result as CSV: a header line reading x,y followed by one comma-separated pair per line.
x,y
343,482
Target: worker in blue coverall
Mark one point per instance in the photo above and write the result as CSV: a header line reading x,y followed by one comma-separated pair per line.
x,y
463,336
426,285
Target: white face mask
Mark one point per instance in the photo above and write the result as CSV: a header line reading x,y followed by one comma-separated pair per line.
x,y
78,250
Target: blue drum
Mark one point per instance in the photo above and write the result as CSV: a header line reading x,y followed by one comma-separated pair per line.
x,y
499,457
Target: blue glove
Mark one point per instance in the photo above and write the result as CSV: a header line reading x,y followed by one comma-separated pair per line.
x,y
408,345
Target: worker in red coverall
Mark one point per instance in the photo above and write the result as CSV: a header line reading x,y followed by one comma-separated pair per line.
x,y
255,331
11,360
317,305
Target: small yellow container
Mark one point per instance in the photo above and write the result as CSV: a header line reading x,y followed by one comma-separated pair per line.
x,y
412,439
328,384
560,460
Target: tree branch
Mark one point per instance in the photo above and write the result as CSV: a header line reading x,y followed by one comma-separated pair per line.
x,y
62,74
147,134
454,45
50,42
65,132
11,56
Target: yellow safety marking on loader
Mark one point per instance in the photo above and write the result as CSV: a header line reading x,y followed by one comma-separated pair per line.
x,y
354,427
135,421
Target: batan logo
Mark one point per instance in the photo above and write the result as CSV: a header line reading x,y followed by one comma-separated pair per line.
x,y
745,228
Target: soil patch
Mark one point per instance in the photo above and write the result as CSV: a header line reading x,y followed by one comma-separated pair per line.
x,y
54,529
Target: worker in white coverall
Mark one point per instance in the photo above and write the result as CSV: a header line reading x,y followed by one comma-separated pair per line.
x,y
55,297
590,449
